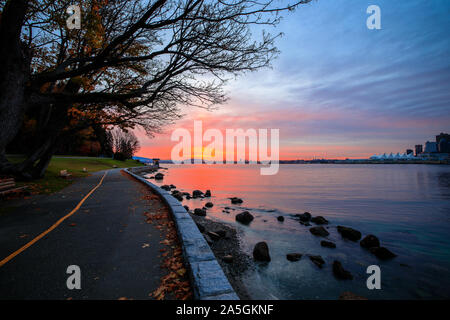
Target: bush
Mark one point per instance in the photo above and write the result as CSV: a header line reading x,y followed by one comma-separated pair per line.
x,y
120,156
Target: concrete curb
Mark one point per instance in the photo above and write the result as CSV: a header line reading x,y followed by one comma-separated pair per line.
x,y
207,277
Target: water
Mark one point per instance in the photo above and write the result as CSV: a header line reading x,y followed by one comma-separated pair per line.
x,y
406,206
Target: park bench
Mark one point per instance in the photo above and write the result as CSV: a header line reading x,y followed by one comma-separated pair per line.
x,y
8,186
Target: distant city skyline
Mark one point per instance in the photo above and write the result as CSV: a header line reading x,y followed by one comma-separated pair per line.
x,y
339,90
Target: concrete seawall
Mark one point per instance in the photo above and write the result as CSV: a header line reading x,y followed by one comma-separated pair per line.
x,y
207,277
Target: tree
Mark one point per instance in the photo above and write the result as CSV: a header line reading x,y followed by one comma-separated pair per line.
x,y
133,63
125,144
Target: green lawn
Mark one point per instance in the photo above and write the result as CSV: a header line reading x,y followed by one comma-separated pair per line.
x,y
52,182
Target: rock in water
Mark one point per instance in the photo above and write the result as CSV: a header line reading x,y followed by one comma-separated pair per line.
x,y
327,244
209,205
319,231
317,260
165,187
319,220
236,200
159,176
294,256
208,193
261,252
339,271
244,217
178,196
370,241
197,194
186,208
382,253
304,216
280,218
200,212
349,233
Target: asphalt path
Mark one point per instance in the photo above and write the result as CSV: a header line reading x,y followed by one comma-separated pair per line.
x,y
117,252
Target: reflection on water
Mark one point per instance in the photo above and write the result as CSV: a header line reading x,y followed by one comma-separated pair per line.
x,y
406,206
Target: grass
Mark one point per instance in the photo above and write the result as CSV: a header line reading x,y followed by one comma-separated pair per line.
x,y
52,182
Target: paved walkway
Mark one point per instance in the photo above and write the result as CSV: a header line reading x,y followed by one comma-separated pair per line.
x,y
117,252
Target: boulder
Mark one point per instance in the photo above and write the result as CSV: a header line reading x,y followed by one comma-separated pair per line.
x,y
327,244
200,212
178,196
370,241
319,231
236,200
209,205
186,207
261,252
221,233
349,233
172,186
306,224
339,271
244,217
159,176
280,218
304,216
165,187
382,253
319,220
197,194
294,256
208,193
317,260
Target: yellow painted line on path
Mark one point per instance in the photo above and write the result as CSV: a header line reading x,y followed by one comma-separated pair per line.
x,y
57,223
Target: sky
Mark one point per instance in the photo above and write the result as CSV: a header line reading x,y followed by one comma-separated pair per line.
x,y
339,90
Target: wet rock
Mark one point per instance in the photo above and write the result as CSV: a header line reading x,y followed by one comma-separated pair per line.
x,y
197,194
200,227
382,253
317,260
208,193
370,241
227,208
213,235
294,256
186,207
228,258
200,212
280,218
319,231
319,220
261,252
304,216
306,224
244,217
165,187
236,200
339,271
186,194
172,186
327,244
178,196
209,205
347,295
159,176
349,233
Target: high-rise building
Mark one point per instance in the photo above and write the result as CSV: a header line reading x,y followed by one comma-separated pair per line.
x,y
409,151
419,149
431,147
443,142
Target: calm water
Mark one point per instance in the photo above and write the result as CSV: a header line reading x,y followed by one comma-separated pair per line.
x,y
406,206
